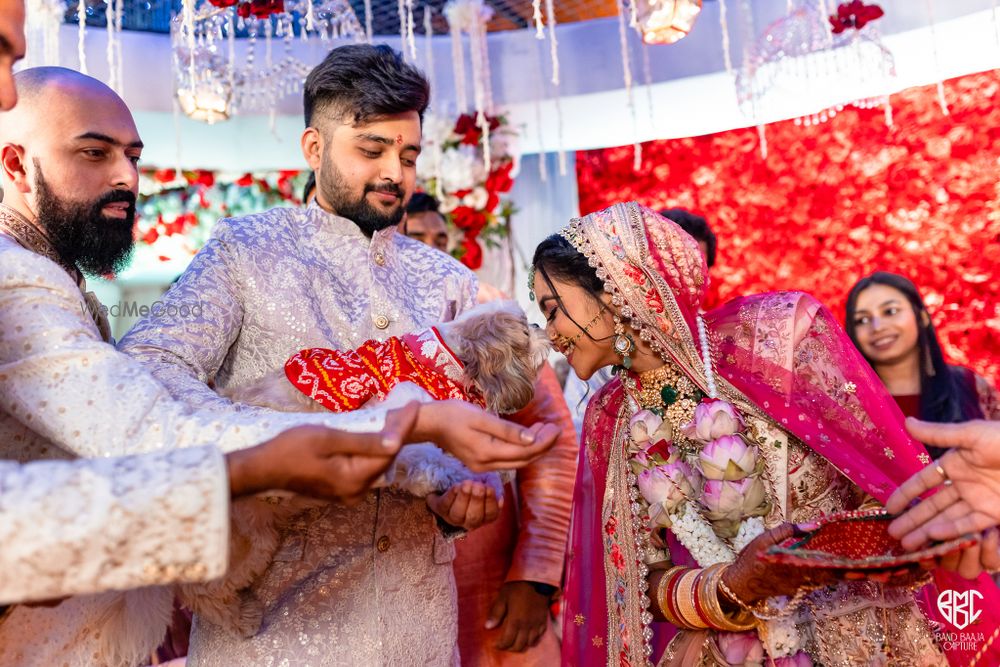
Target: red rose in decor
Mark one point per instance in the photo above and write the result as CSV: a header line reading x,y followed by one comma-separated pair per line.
x,y
243,11
150,236
244,181
468,220
499,180
222,3
855,14
466,128
264,8
472,253
164,175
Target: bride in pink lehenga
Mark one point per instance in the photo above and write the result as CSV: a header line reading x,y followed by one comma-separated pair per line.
x,y
719,429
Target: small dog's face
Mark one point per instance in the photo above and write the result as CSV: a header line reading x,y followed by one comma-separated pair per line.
x,y
501,353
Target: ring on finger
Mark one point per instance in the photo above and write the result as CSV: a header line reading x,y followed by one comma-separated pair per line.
x,y
945,480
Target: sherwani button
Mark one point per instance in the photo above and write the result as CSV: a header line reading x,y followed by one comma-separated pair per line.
x,y
381,322
383,544
380,259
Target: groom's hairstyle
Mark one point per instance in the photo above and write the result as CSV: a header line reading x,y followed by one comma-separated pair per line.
x,y
360,82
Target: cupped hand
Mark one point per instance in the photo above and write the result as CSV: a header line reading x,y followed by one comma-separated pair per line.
x,y
482,441
321,462
467,505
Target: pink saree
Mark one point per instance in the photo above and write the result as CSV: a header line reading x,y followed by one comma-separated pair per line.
x,y
778,356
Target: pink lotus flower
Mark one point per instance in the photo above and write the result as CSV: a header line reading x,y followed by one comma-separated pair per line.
x,y
800,659
665,487
714,419
648,427
741,648
732,500
727,457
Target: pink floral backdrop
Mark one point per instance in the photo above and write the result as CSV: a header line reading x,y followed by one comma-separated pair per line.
x,y
834,202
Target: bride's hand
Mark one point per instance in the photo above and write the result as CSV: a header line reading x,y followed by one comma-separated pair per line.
x,y
753,580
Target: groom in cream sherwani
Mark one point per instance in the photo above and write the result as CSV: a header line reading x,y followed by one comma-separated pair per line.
x,y
373,584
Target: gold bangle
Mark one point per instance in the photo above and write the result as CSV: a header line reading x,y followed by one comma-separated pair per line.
x,y
730,595
712,609
663,593
685,600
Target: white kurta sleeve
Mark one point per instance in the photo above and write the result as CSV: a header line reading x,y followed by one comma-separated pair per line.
x,y
91,525
60,380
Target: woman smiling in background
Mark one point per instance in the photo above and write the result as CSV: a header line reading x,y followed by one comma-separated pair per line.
x,y
889,324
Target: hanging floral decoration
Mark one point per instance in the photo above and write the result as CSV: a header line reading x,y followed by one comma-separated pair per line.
x,y
176,210
452,168
854,14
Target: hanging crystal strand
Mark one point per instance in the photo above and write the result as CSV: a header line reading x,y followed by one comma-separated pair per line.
x,y
996,23
627,70
310,18
543,172
109,19
550,16
119,61
429,49
458,67
411,39
477,47
401,8
81,17
724,25
789,6
231,65
536,16
942,102
633,10
369,20
647,74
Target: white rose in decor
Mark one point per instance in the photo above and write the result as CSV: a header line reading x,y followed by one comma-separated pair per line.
x,y
459,169
449,204
477,198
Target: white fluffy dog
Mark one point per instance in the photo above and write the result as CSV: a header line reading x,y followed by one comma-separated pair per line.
x,y
501,354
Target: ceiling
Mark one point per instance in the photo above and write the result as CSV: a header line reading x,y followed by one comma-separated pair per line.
x,y
154,15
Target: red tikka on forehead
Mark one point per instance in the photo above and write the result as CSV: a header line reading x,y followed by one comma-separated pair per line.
x,y
399,139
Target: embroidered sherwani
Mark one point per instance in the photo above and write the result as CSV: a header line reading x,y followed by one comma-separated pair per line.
x,y
65,392
90,525
367,585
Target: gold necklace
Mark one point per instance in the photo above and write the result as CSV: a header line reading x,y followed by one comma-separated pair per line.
x,y
668,392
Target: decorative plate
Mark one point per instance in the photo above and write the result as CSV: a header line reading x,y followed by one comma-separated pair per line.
x,y
857,540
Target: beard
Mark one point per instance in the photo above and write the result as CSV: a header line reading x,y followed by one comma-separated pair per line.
x,y
81,234
368,218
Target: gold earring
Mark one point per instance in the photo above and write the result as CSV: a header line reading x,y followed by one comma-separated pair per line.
x,y
623,344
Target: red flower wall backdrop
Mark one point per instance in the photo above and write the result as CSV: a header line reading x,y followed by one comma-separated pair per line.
x,y
834,202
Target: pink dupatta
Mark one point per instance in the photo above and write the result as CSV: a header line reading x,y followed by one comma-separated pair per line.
x,y
781,356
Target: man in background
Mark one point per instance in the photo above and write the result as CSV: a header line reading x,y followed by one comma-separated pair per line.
x,y
698,227
423,222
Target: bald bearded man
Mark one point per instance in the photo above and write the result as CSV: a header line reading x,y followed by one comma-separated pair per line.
x,y
68,155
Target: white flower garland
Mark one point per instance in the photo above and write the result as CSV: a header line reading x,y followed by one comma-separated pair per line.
x,y
697,536
780,635
750,528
